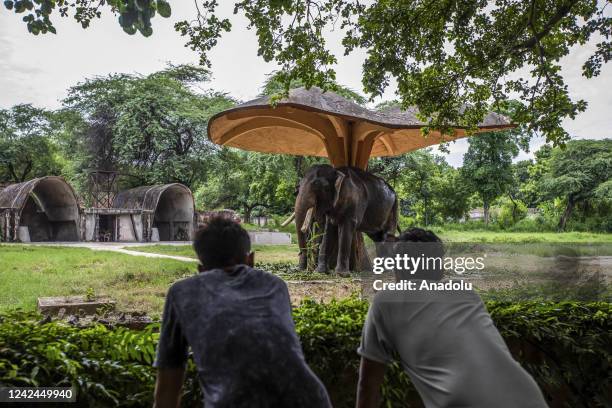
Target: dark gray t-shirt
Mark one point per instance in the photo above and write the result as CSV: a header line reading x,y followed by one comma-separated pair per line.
x,y
243,339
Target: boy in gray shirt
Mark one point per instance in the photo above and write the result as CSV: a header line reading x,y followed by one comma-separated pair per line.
x,y
237,321
445,342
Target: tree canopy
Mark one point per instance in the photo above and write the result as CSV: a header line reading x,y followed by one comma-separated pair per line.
x,y
451,59
249,181
580,172
26,145
430,190
150,126
487,166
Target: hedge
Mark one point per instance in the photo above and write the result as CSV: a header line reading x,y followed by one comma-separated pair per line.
x,y
566,346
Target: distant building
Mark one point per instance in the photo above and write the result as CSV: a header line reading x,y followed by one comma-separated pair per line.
x,y
477,214
260,220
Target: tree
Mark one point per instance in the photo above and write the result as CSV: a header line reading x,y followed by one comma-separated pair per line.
x,y
529,189
427,186
248,181
134,15
26,147
451,59
578,173
487,166
453,194
153,127
520,173
274,86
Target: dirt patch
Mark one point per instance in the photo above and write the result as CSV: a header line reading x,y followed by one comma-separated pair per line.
x,y
322,290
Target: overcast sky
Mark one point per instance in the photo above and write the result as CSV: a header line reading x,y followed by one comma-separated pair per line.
x,y
39,70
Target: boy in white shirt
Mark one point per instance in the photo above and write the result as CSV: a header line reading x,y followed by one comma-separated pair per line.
x,y
447,344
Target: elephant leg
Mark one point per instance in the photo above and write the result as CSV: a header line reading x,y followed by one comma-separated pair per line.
x,y
303,256
328,234
345,241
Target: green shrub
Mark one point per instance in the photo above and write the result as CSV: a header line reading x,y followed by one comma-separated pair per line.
x,y
406,222
535,224
470,226
510,212
564,345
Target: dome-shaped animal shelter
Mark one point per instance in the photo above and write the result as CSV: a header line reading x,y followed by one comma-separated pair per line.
x,y
167,211
39,210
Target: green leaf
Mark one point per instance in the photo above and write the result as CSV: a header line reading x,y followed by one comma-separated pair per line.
x,y
163,8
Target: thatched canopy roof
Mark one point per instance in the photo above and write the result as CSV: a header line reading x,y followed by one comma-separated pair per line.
x,y
316,123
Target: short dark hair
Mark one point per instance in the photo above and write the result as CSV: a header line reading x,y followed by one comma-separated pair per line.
x,y
221,242
418,235
418,241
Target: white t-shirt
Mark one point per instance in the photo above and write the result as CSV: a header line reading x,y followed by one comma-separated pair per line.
x,y
448,345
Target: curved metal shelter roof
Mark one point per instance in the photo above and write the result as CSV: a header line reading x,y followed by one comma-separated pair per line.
x,y
145,198
311,122
52,192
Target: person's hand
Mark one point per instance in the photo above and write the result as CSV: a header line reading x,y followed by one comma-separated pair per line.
x,y
168,387
371,376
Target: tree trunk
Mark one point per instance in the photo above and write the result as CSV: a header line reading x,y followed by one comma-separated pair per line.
x,y
247,214
359,260
567,213
485,206
514,208
298,163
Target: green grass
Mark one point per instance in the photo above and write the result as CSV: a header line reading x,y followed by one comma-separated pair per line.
x,y
140,284
137,284
263,253
521,237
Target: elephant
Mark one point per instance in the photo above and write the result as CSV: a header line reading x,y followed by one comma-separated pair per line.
x,y
343,201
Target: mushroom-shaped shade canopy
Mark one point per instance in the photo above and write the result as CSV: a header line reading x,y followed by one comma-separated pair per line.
x,y
311,122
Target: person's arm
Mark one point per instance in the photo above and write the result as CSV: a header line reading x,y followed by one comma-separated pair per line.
x,y
171,357
168,387
371,375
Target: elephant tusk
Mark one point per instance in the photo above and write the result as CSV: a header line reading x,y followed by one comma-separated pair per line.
x,y
307,220
288,220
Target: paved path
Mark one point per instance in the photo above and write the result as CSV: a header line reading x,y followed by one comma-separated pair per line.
x,y
122,247
146,254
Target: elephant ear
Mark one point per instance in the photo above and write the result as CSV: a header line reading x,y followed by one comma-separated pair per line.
x,y
338,186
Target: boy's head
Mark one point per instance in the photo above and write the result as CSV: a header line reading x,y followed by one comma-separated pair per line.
x,y
222,243
420,243
418,235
